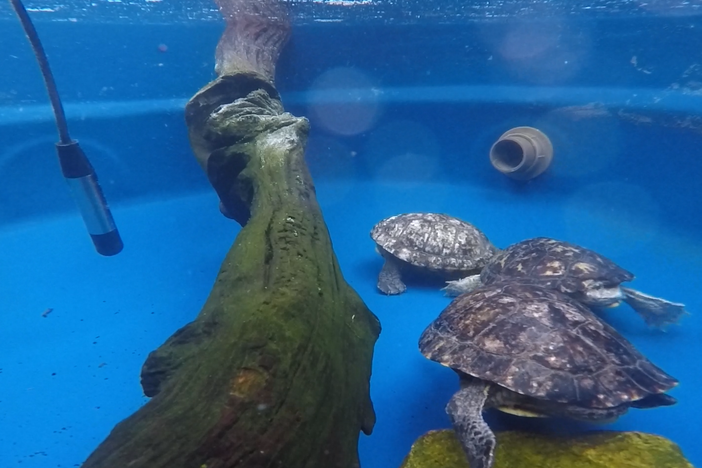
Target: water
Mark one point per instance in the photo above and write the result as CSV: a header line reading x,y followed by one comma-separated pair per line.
x,y
615,85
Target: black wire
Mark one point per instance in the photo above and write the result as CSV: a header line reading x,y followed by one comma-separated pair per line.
x,y
33,37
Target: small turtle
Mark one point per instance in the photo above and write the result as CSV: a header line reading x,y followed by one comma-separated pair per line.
x,y
428,243
532,351
574,270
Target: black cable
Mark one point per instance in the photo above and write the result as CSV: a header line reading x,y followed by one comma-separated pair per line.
x,y
38,49
75,166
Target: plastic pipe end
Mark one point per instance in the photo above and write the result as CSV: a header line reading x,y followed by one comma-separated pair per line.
x,y
522,153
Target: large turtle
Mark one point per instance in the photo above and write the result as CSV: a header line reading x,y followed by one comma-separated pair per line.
x,y
528,350
428,243
574,270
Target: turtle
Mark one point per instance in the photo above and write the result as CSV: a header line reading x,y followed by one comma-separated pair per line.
x,y
571,269
532,351
428,243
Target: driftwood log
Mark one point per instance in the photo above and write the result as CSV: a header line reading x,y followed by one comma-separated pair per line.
x,y
274,372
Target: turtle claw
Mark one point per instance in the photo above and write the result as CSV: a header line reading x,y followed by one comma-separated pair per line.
x,y
655,311
461,286
389,280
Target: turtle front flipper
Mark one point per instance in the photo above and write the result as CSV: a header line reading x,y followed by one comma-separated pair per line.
x,y
461,286
655,311
466,412
389,279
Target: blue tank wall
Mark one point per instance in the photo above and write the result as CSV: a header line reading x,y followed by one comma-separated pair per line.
x,y
124,97
619,98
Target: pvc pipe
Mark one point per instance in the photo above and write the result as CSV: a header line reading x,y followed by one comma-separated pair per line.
x,y
522,153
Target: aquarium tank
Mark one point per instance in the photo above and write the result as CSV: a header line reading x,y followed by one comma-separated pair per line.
x,y
342,233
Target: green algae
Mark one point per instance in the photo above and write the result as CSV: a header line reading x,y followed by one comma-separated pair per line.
x,y
601,449
275,369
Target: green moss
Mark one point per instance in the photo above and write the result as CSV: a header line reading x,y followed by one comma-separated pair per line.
x,y
602,449
275,369
436,449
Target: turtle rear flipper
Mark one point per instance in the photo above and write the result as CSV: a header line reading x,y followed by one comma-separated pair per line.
x,y
655,311
465,410
389,279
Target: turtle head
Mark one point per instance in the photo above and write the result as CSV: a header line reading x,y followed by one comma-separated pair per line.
x,y
599,294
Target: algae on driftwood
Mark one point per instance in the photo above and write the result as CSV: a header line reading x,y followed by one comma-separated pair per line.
x,y
275,370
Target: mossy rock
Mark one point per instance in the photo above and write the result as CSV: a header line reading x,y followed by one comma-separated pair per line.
x,y
602,449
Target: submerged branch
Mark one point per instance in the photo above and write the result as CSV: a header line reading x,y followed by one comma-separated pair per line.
x,y
274,371
256,32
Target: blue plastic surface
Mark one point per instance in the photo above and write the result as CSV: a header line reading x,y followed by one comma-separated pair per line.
x,y
403,116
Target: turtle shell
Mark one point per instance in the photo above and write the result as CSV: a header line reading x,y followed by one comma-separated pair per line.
x,y
434,241
554,264
541,343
